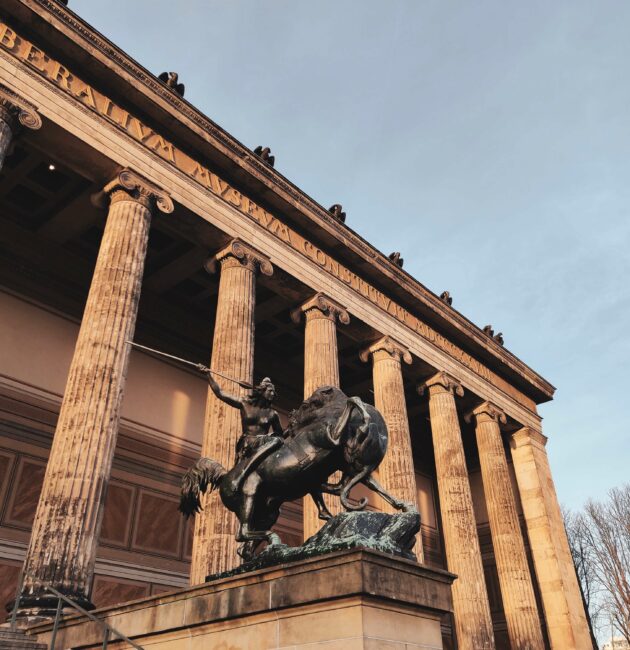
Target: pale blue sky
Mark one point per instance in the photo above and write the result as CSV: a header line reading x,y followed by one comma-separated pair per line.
x,y
489,142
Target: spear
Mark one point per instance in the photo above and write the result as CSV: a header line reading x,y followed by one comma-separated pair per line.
x,y
199,366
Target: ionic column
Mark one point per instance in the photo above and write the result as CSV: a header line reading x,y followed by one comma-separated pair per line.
x,y
321,368
15,112
214,545
567,626
396,472
473,623
517,592
64,538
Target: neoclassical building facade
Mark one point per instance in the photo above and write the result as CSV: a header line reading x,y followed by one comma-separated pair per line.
x,y
126,214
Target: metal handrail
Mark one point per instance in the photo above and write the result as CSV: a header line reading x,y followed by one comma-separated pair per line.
x,y
108,630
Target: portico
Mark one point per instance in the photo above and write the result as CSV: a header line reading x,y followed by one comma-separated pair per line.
x,y
292,293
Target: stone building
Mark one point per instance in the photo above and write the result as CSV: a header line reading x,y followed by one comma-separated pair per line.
x,y
125,214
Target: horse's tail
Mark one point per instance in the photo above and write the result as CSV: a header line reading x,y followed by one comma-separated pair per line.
x,y
205,472
357,478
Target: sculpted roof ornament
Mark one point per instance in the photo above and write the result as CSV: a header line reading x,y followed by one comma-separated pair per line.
x,y
490,332
171,79
337,211
396,259
328,307
389,345
244,254
265,155
24,112
445,296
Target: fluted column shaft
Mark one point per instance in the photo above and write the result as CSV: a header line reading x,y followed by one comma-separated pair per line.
x,y
396,472
517,592
7,127
567,626
15,112
214,543
65,532
321,368
473,623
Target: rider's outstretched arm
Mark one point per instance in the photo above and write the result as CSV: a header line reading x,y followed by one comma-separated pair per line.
x,y
224,397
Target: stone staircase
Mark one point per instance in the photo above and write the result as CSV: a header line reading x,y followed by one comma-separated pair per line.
x,y
18,640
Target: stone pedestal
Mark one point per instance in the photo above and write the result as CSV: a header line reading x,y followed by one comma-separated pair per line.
x,y
214,545
567,626
517,592
350,600
473,623
321,368
62,549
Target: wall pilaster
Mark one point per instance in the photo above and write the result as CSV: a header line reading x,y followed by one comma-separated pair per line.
x,y
567,626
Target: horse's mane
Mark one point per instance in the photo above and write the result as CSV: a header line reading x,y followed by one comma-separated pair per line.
x,y
325,404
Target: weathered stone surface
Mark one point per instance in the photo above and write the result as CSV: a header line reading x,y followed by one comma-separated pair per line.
x,y
321,368
18,641
517,591
62,548
214,546
396,472
473,622
378,531
567,626
348,599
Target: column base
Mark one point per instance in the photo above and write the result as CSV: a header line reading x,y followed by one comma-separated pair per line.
x,y
42,607
349,600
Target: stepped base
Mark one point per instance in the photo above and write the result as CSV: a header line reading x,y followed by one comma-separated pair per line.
x,y
348,600
18,641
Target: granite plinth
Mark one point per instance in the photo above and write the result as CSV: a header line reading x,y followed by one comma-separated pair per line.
x,y
349,600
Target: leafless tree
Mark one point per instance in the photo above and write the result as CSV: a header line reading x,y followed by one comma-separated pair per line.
x,y
576,525
608,535
599,537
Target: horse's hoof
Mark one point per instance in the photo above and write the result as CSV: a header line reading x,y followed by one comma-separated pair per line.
x,y
405,506
324,517
274,540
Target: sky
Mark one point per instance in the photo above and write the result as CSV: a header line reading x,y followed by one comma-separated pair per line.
x,y
488,142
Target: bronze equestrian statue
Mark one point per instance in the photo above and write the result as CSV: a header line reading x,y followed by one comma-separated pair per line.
x,y
329,432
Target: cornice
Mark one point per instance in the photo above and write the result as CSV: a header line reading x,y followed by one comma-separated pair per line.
x,y
426,302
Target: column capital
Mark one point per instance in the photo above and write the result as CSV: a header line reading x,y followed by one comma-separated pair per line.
x,y
18,110
527,435
238,253
389,345
442,382
321,306
129,185
486,412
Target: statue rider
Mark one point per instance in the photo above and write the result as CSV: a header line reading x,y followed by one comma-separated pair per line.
x,y
261,428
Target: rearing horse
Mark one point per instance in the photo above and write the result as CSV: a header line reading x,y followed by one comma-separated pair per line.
x,y
329,432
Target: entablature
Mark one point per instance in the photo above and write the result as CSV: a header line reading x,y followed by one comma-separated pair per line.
x,y
198,138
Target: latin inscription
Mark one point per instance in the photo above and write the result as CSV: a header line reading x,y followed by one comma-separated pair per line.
x,y
66,80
